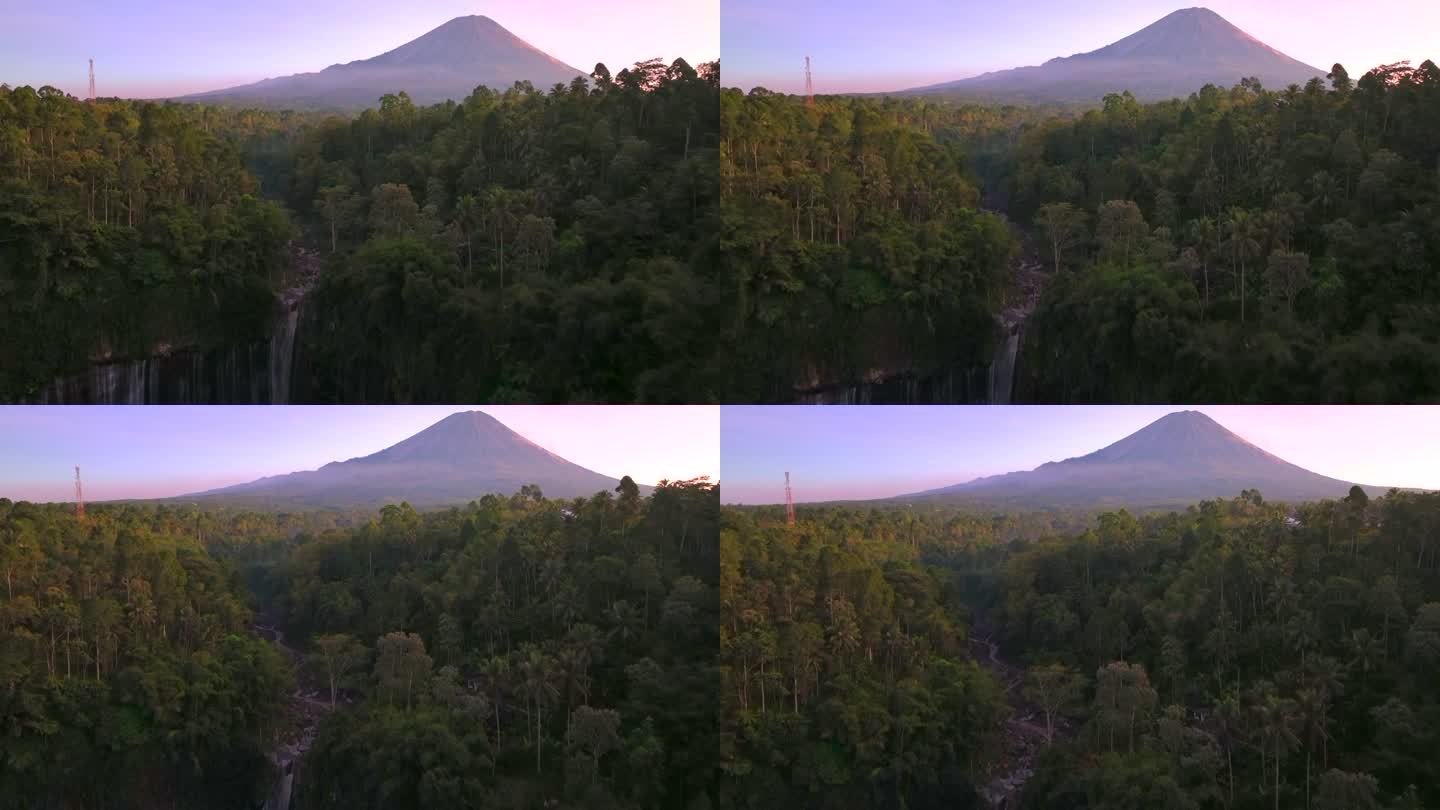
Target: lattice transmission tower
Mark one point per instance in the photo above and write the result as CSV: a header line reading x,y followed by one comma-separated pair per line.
x,y
809,85
92,79
79,496
789,503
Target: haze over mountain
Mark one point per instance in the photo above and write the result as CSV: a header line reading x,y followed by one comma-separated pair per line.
x,y
1170,58
1180,459
447,63
456,460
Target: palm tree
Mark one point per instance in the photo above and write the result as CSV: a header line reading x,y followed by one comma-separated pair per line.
x,y
497,203
496,672
467,214
1275,720
1240,228
1324,191
1207,236
588,639
1365,652
1302,633
625,620
572,665
1326,677
1314,723
1231,725
536,672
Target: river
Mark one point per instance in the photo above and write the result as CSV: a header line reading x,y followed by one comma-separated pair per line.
x,y
1024,737
303,712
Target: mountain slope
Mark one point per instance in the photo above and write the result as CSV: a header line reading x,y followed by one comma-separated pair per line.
x,y
1170,58
456,460
1180,459
447,63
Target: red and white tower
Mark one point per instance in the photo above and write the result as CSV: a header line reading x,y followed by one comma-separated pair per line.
x,y
809,86
789,503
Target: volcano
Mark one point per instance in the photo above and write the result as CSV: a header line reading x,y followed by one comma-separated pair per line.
x,y
1180,459
447,63
1171,58
456,460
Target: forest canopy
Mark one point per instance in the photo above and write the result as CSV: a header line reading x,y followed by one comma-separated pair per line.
x,y
1239,654
528,245
854,241
519,652
1241,245
126,227
1247,244
518,246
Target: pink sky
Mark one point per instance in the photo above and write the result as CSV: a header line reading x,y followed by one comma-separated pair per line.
x,y
160,451
862,46
173,47
881,451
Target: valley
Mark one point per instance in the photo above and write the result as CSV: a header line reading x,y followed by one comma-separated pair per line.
x,y
285,746
1099,632
316,640
1215,222
1174,650
426,233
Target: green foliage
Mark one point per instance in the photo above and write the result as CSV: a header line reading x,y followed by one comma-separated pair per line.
x,y
130,675
519,246
555,653
852,242
1287,639
1245,655
429,756
1055,688
1250,246
844,679
125,226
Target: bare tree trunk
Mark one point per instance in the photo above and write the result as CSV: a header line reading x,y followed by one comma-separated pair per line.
x,y
1277,778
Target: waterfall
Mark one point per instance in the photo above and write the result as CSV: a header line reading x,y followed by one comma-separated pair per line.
x,y
1002,367
282,355
279,798
952,385
255,373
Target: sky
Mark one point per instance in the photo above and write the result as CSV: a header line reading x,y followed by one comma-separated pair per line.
x,y
864,46
162,451
841,453
159,48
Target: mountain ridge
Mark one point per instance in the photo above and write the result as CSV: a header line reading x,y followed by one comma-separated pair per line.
x,y
1180,459
447,62
456,460
1172,57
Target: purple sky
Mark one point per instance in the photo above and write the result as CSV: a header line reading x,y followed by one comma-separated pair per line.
x,y
835,453
154,451
865,46
172,47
